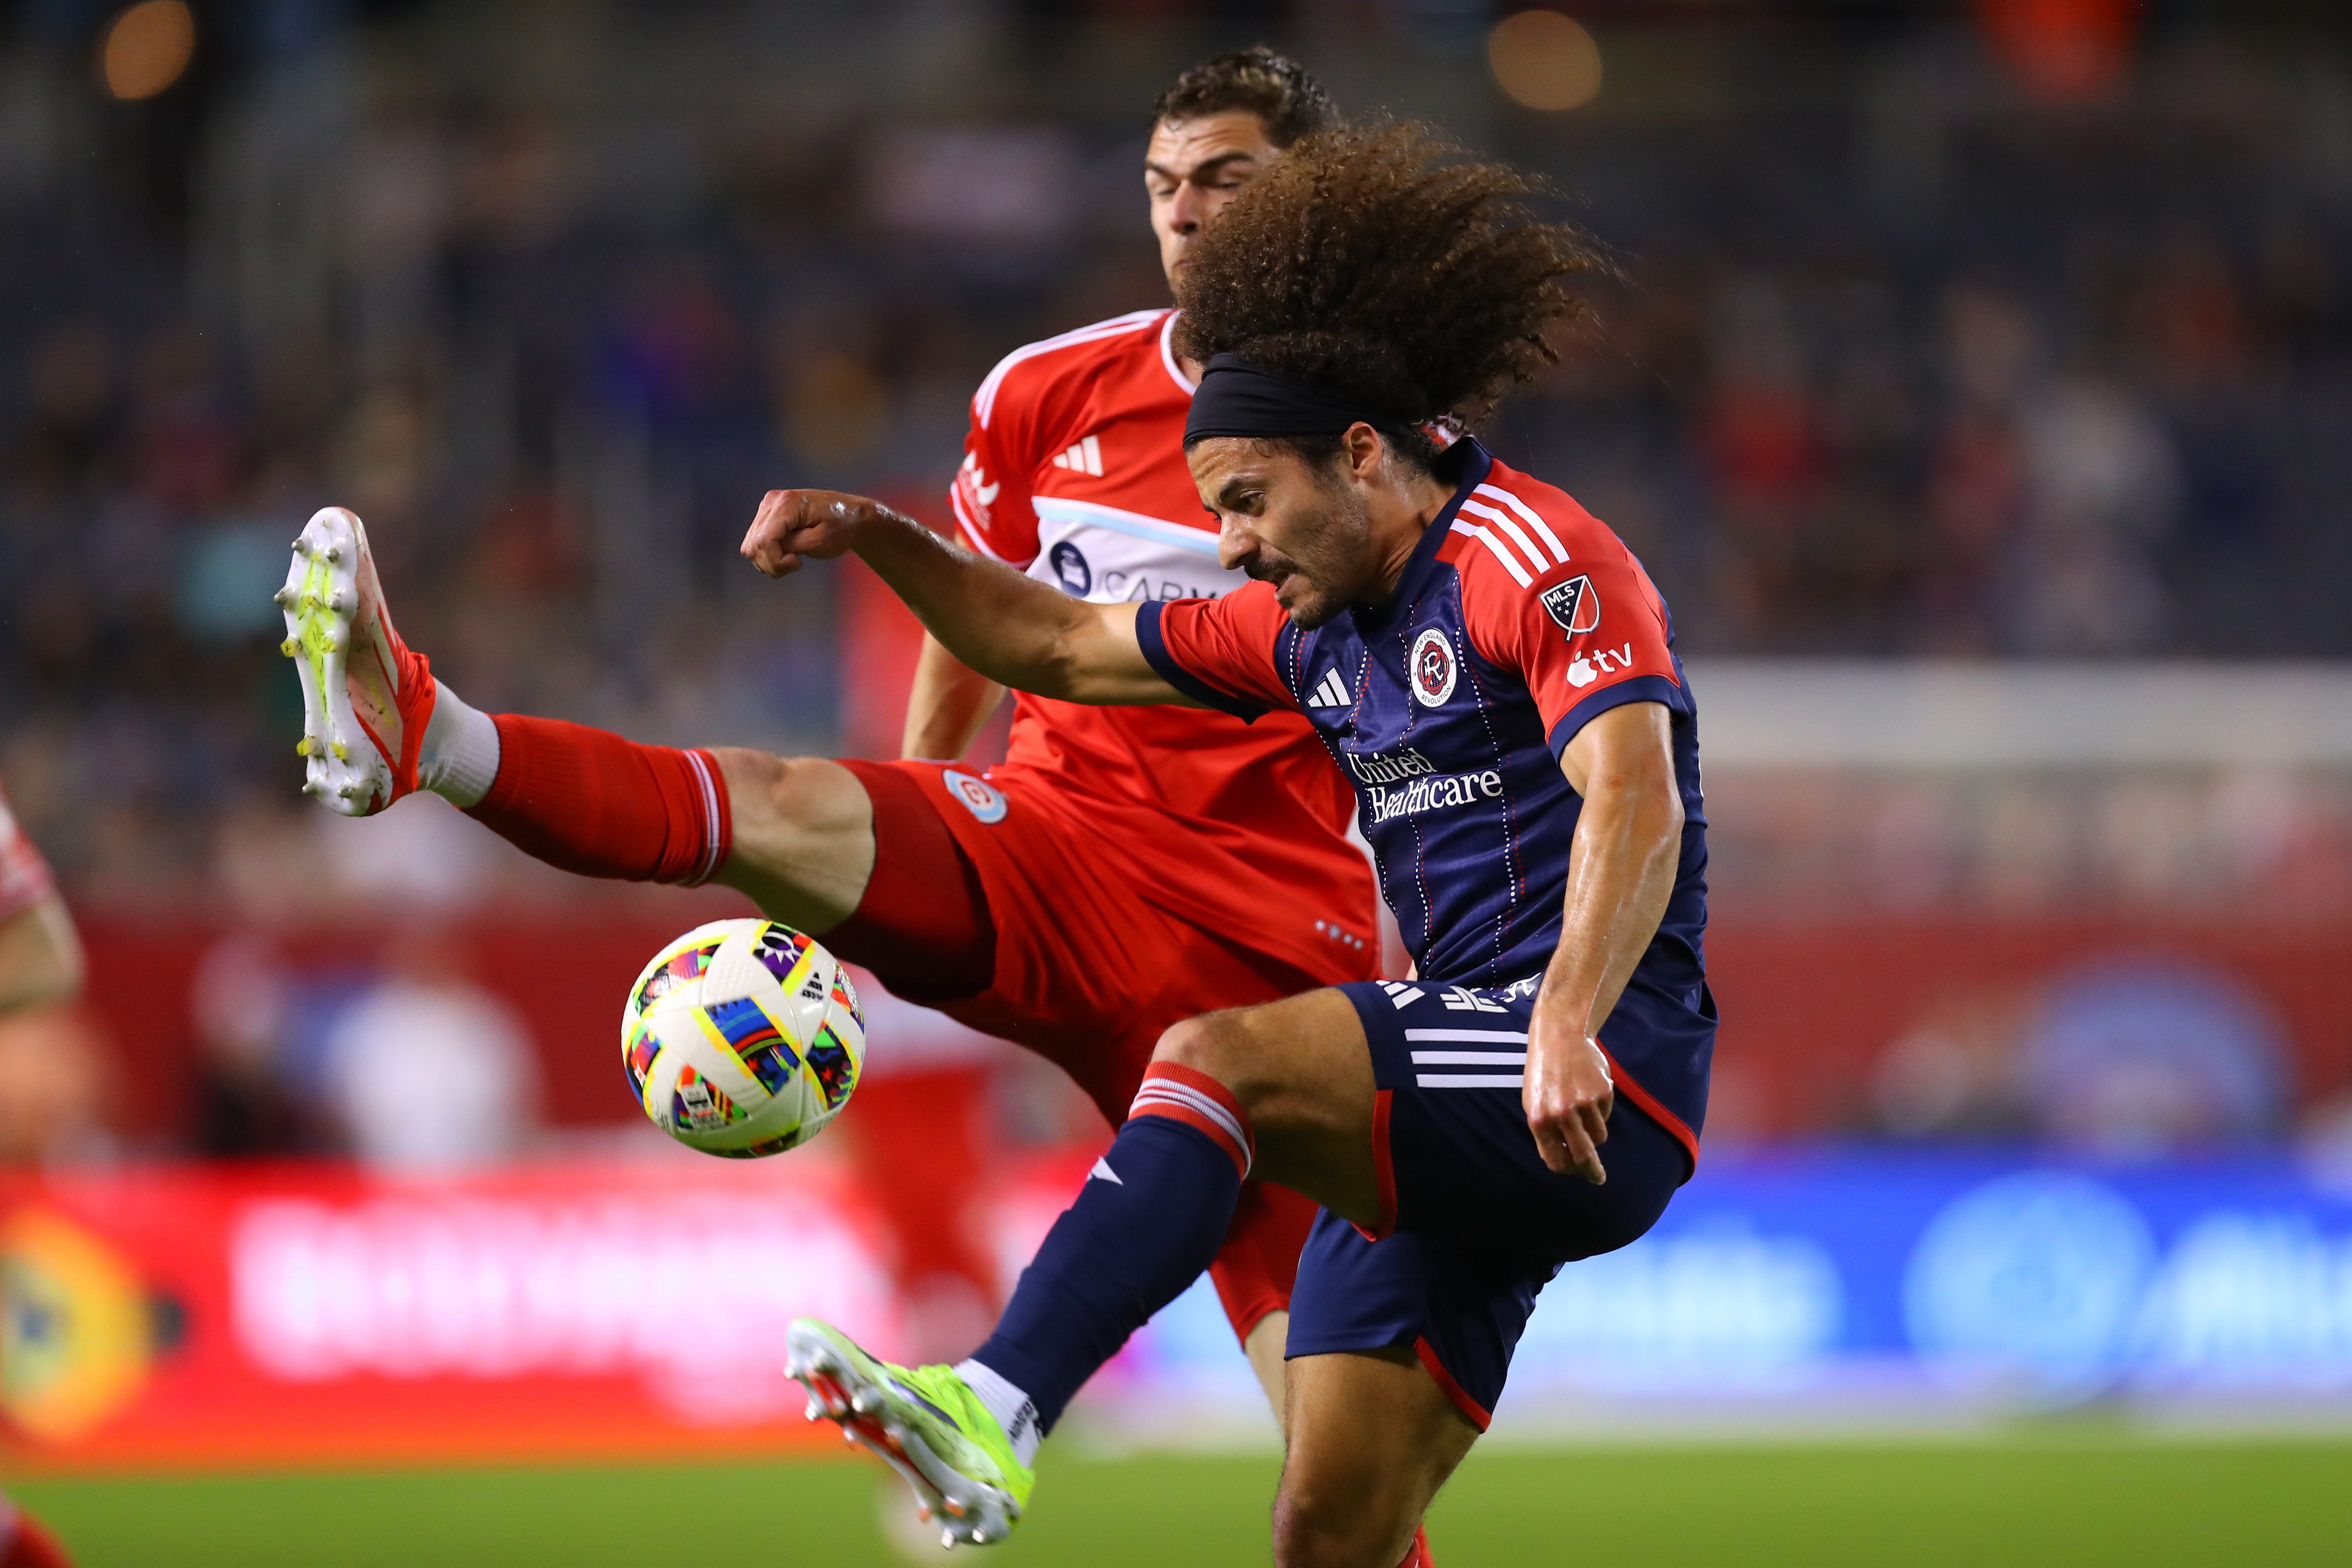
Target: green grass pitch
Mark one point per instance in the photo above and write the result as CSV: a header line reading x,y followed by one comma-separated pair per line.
x,y
2018,1503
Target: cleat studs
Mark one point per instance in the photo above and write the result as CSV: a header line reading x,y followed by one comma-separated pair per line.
x,y
923,1512
302,748
334,553
947,1540
343,752
814,1409
284,598
291,647
340,602
302,545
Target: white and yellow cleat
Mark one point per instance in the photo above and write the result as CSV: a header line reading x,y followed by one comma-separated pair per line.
x,y
923,1421
366,696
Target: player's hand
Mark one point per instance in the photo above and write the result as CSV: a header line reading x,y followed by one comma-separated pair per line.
x,y
814,525
1567,1093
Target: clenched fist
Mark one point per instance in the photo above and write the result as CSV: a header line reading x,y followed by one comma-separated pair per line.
x,y
1567,1093
816,525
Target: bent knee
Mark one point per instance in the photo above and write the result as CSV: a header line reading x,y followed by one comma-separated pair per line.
x,y
1210,1044
1315,1531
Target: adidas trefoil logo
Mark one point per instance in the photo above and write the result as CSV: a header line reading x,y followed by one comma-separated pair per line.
x,y
1331,691
1085,457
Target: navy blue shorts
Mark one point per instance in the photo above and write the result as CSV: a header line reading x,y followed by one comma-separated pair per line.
x,y
1472,1222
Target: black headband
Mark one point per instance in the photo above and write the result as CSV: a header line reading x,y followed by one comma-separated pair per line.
x,y
1236,398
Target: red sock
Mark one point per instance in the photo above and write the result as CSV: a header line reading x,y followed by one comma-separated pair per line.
x,y
590,802
30,1546
1418,1557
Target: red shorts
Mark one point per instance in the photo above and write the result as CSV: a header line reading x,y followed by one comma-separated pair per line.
x,y
1011,890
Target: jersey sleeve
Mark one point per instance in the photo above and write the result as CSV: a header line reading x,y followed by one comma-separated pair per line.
x,y
1587,634
1219,652
990,494
24,874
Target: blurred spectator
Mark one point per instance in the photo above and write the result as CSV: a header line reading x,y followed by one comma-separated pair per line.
x,y
2150,1059
1955,1075
2119,1060
245,1103
427,1071
53,1083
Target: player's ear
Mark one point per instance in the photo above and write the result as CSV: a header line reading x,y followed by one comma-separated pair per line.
x,y
1364,448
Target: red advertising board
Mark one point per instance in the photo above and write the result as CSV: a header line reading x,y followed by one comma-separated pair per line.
x,y
190,1315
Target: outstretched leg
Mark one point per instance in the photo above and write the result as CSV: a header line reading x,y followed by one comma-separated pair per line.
x,y
797,834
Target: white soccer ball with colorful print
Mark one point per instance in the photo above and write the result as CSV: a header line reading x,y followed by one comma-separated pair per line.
x,y
742,1038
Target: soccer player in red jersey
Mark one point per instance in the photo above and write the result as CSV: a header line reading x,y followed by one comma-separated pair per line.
x,y
1495,671
40,966
1117,872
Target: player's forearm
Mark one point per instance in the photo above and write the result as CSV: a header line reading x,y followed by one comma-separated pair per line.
x,y
1005,627
40,956
1622,868
947,706
1011,628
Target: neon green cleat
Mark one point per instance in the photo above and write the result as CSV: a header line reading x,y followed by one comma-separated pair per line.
x,y
923,1421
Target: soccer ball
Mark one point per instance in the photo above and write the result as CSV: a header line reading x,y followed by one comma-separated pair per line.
x,y
742,1038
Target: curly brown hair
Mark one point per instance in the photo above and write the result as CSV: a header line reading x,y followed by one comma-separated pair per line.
x,y
1384,262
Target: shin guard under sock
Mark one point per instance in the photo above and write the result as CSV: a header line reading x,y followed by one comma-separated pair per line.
x,y
590,802
1147,1221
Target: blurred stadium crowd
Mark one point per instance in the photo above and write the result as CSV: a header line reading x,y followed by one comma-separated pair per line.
x,y
1925,343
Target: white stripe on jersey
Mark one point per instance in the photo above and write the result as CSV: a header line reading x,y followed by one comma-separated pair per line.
x,y
710,861
1471,1035
1469,1058
983,402
1518,536
1168,357
1496,492
1470,1080
971,535
1134,524
1502,550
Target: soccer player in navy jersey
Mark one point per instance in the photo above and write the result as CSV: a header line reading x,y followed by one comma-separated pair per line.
x,y
1494,672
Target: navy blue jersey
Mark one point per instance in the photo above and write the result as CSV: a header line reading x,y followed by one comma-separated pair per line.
x,y
1518,618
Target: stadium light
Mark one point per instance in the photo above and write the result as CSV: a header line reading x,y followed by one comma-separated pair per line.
x,y
1544,60
146,48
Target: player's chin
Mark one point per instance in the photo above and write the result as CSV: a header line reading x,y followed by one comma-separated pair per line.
x,y
1307,608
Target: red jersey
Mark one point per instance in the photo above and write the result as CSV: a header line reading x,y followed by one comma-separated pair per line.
x,y
1075,472
24,874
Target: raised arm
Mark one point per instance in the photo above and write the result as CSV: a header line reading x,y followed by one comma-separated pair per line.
x,y
1009,627
1620,873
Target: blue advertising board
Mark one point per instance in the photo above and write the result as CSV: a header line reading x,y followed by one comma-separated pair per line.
x,y
1910,1284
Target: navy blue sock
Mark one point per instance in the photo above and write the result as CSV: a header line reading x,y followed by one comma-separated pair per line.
x,y
1148,1220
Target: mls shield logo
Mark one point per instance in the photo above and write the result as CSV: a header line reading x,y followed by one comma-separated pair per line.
x,y
1574,605
1434,667
983,799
